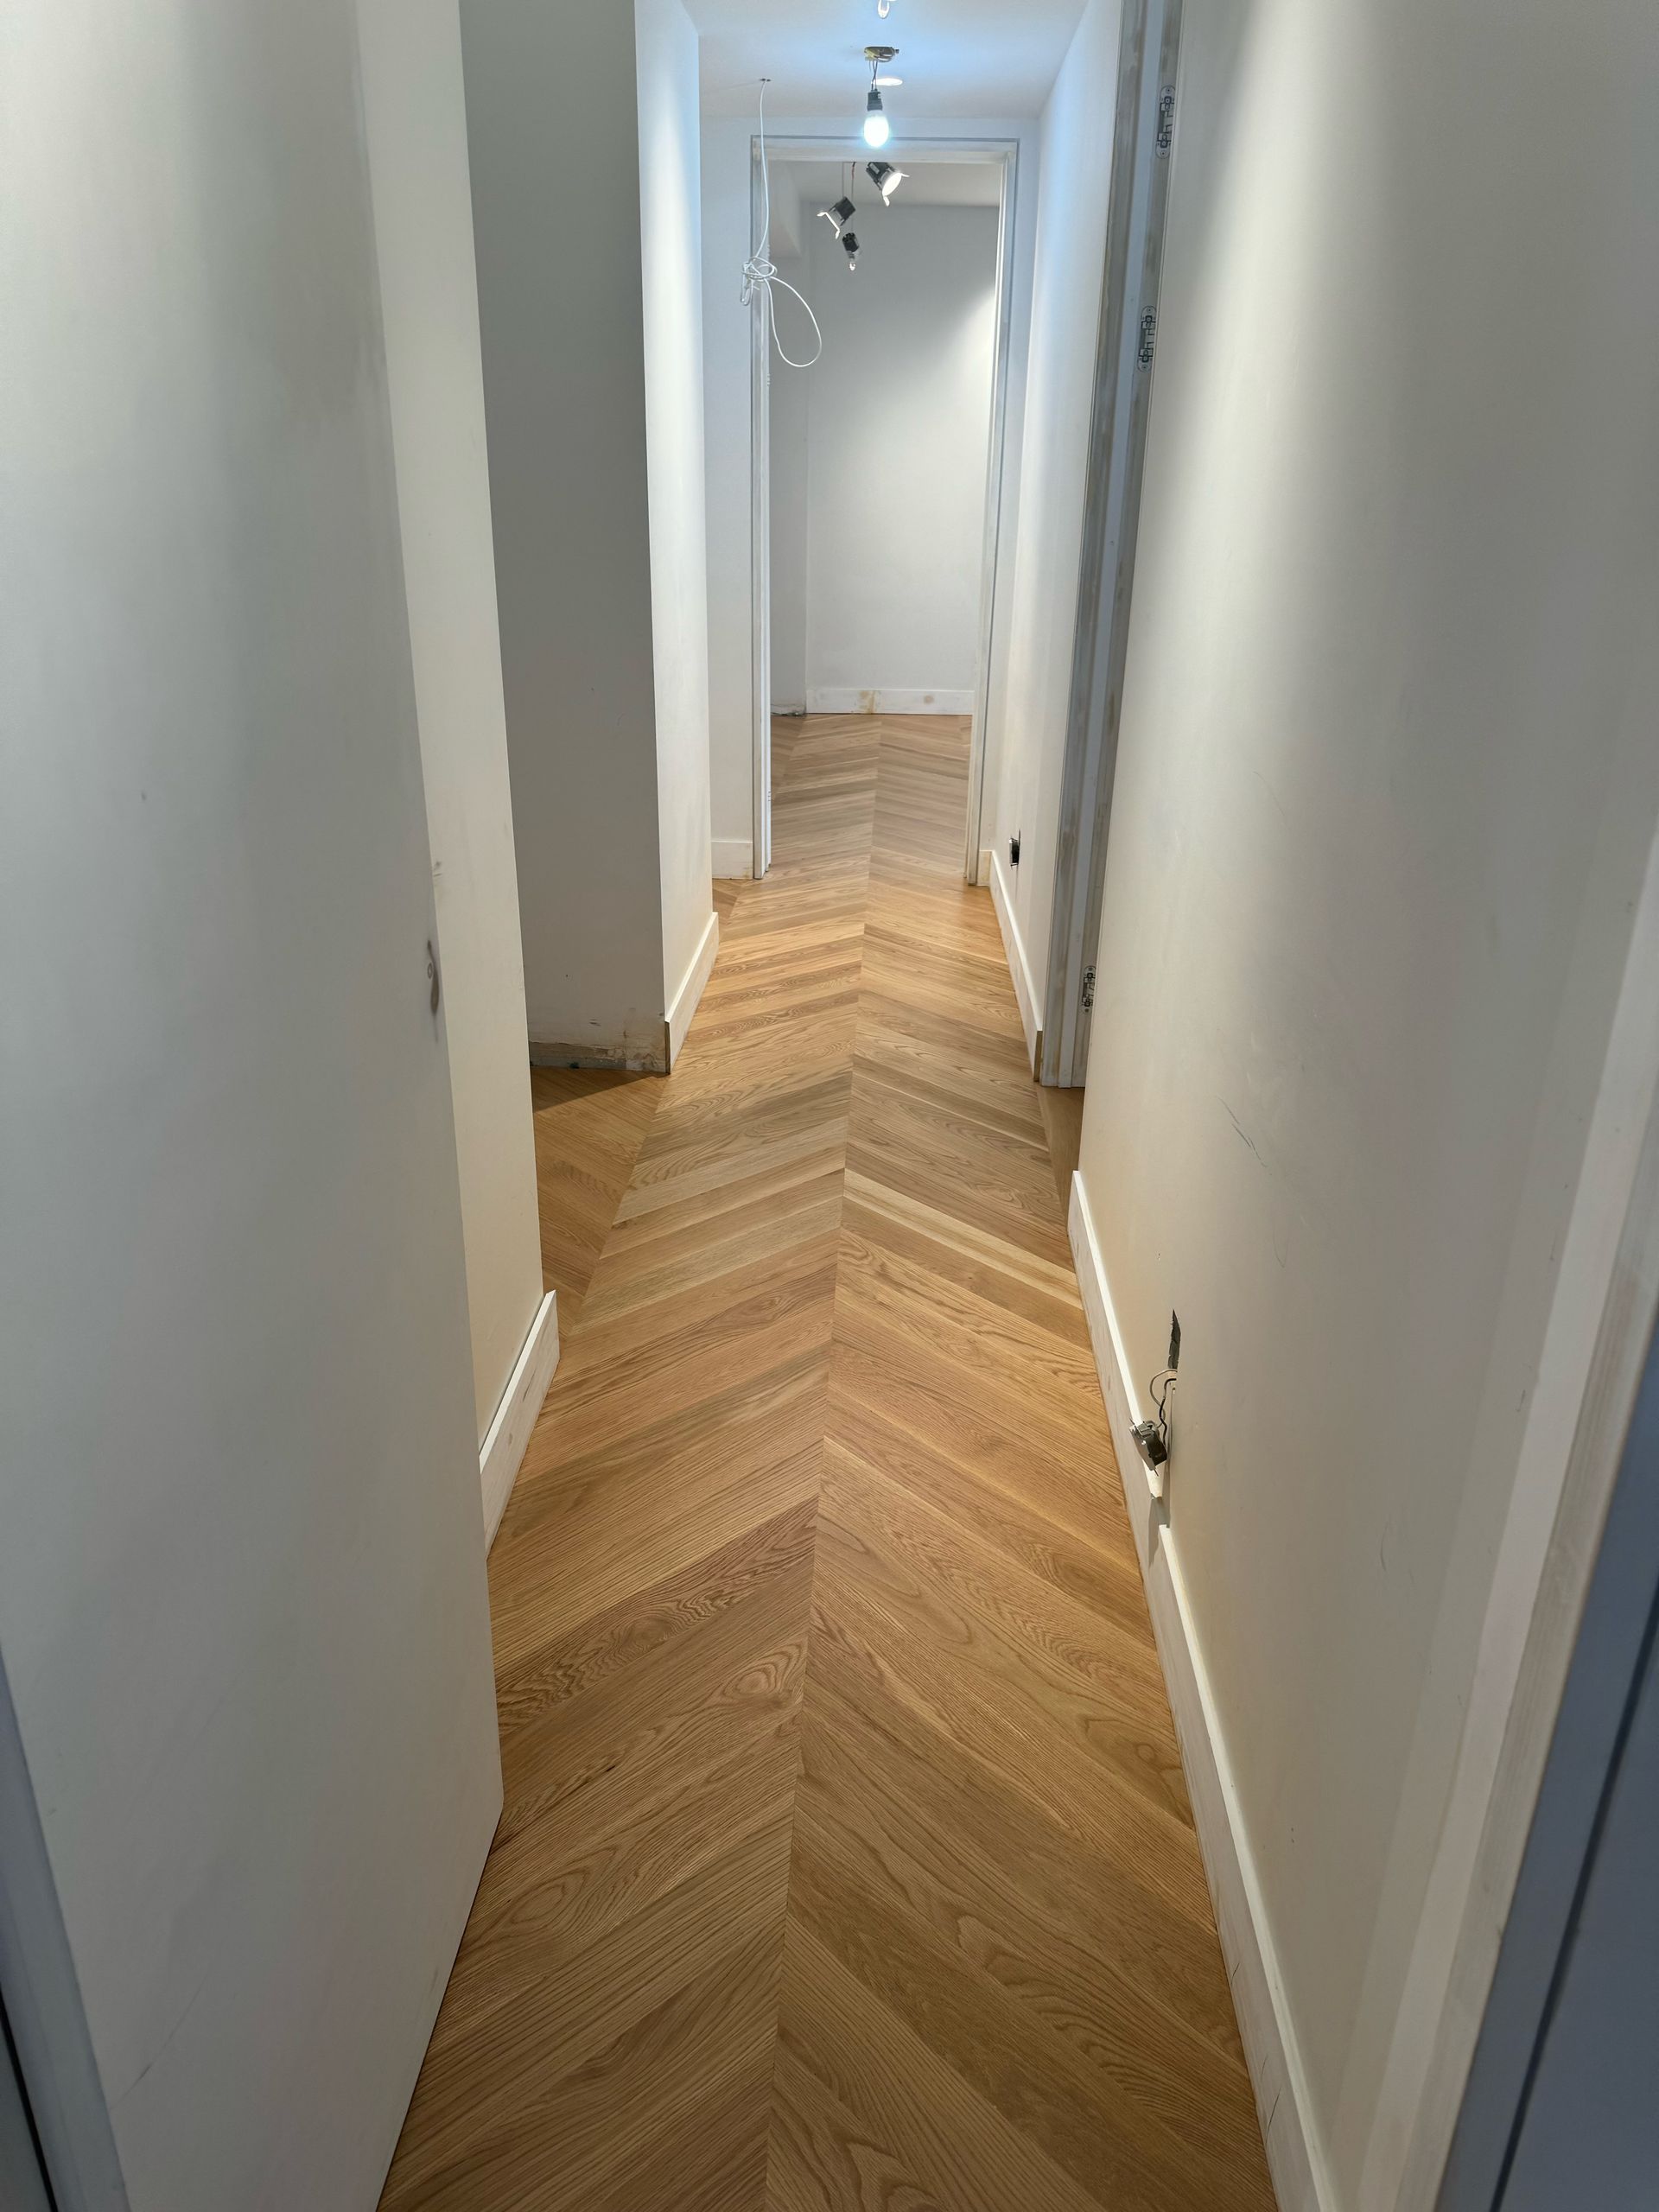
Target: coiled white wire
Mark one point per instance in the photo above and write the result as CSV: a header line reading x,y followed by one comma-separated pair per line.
x,y
759,274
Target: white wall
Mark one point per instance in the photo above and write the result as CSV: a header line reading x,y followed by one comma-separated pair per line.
x,y
242,1607
599,646
898,428
415,111
1069,264
672,264
726,158
790,488
1387,783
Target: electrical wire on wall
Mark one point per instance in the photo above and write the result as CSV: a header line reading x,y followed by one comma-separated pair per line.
x,y
761,275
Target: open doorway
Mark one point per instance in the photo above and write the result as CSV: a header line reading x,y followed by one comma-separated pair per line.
x,y
876,471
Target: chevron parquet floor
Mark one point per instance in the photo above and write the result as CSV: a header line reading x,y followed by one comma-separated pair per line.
x,y
847,1860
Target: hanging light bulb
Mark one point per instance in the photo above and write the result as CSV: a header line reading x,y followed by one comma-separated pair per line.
x,y
849,247
877,129
885,178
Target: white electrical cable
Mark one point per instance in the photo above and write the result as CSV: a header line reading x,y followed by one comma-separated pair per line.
x,y
760,275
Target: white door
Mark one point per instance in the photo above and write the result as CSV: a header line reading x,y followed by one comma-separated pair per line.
x,y
249,1772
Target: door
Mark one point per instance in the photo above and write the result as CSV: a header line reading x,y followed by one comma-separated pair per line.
x,y
248,1759
1589,2134
1558,2107
23,2184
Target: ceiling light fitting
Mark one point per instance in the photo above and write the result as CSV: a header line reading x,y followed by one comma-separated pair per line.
x,y
885,178
877,129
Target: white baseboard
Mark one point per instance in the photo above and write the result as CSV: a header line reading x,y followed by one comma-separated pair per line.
x,y
986,857
848,700
683,1004
733,859
502,1454
1024,989
1295,2157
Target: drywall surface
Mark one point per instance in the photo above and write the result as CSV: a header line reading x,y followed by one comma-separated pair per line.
x,y
553,126
792,491
1069,268
727,143
1387,784
671,250
416,110
898,428
242,1590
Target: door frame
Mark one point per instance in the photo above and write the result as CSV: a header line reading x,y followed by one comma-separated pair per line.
x,y
1591,1421
1143,134
1612,1658
916,152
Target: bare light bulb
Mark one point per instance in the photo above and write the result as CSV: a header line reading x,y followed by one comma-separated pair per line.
x,y
877,129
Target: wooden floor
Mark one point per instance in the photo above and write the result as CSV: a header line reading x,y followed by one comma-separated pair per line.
x,y
847,1860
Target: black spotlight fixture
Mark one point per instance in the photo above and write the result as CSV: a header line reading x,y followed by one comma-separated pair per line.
x,y
849,247
838,215
885,178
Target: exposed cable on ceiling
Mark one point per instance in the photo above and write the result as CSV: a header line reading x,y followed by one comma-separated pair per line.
x,y
759,272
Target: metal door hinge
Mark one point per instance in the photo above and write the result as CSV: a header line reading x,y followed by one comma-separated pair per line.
x,y
1165,137
1087,990
1149,337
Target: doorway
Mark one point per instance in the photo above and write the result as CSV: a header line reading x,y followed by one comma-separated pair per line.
x,y
876,472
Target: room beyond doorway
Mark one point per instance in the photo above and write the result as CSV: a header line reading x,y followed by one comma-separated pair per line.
x,y
877,470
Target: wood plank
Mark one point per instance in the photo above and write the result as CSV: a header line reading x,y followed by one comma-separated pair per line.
x,y
847,1859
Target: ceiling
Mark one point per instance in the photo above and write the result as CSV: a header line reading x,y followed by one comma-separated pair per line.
x,y
956,57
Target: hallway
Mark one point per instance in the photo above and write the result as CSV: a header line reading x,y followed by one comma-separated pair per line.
x,y
846,1858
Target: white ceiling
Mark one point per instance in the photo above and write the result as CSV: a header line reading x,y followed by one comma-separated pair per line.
x,y
956,57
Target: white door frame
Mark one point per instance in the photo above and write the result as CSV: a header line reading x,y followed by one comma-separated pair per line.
x,y
1583,1403
1142,157
1005,153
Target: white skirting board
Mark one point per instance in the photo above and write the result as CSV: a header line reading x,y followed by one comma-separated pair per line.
x,y
502,1452
677,1020
1295,2157
846,699
1024,989
733,859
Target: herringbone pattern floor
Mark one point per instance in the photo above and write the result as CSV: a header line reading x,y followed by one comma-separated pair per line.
x,y
847,1861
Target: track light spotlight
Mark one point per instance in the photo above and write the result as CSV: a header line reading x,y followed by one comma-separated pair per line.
x,y
838,215
849,247
885,178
